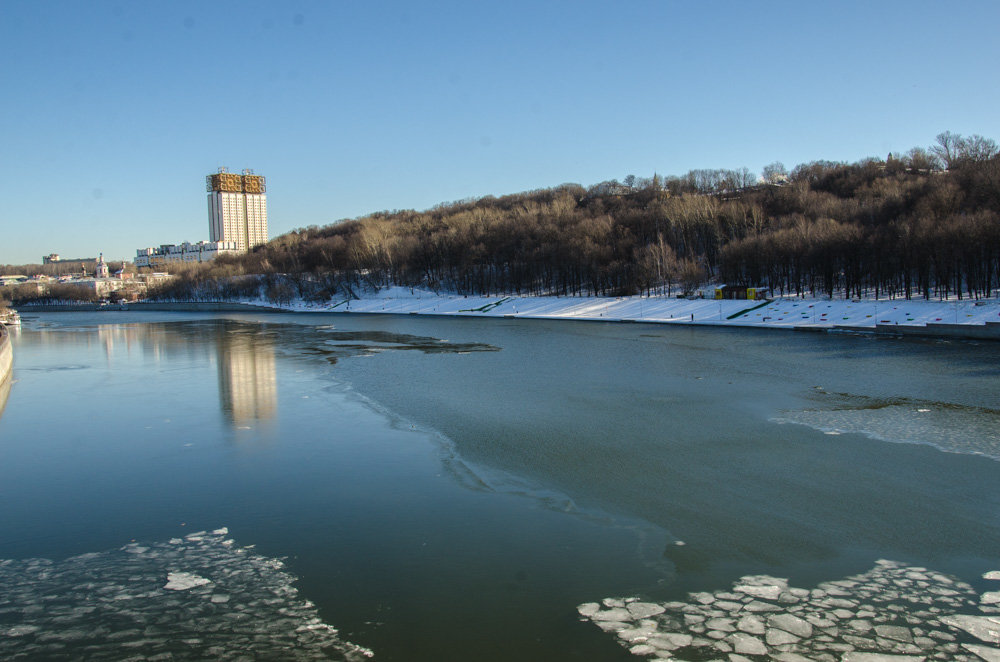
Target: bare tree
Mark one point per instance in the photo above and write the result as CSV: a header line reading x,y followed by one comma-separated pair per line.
x,y
976,148
948,148
955,150
919,159
743,178
775,173
691,275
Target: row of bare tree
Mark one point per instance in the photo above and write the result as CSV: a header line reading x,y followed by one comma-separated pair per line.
x,y
925,223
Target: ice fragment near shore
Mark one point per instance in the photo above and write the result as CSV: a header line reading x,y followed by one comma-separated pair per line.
x,y
747,644
182,581
790,623
763,592
776,637
751,624
880,657
892,613
227,603
613,614
983,652
644,609
985,628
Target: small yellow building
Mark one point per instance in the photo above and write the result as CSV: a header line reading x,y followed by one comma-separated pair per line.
x,y
737,292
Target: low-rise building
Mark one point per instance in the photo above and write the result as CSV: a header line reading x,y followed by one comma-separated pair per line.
x,y
203,251
153,277
741,292
122,283
102,287
101,269
55,258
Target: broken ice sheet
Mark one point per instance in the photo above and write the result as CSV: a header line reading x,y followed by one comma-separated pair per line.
x,y
946,426
893,612
201,597
181,581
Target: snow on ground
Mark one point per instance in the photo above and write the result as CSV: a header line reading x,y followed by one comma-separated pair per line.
x,y
789,312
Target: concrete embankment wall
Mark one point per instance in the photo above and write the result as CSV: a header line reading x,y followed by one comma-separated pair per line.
x,y
204,306
988,331
6,354
193,306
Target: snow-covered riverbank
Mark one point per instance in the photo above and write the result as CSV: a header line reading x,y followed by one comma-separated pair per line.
x,y
952,318
947,318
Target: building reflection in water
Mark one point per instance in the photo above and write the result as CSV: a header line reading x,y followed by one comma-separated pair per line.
x,y
245,357
248,387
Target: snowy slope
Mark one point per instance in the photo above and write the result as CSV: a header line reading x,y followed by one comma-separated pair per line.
x,y
781,313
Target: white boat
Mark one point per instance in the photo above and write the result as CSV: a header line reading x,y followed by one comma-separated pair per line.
x,y
10,318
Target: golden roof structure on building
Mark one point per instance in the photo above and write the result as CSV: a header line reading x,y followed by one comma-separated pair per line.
x,y
233,183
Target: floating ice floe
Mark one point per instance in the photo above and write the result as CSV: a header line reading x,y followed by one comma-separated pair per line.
x,y
219,602
892,613
947,426
986,628
182,581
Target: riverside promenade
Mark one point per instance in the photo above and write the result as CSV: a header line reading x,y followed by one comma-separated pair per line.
x,y
6,354
960,319
6,366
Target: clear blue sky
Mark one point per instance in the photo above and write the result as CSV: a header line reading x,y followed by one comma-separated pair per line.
x,y
112,113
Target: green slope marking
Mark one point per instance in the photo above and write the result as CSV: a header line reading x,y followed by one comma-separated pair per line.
x,y
749,310
487,307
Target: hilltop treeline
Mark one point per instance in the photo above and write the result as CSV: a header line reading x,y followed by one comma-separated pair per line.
x,y
56,269
926,224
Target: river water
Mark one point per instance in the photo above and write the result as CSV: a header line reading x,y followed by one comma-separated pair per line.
x,y
453,489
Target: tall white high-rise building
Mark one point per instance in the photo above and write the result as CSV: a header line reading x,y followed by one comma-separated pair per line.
x,y
237,208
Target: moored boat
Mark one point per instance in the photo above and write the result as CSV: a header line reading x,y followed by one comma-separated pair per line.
x,y
9,317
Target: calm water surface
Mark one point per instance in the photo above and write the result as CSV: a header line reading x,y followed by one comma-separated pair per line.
x,y
453,489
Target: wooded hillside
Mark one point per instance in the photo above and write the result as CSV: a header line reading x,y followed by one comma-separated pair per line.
x,y
926,224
